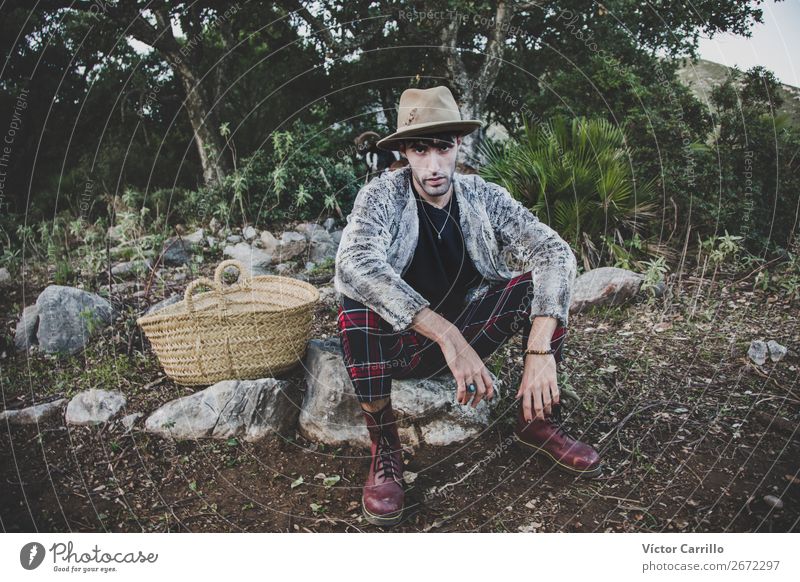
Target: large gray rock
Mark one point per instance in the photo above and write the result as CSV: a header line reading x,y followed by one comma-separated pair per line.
x,y
68,317
604,286
25,334
33,414
94,406
291,245
254,259
322,251
250,409
427,410
268,242
177,252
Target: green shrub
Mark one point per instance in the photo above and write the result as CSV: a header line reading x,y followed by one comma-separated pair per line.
x,y
575,175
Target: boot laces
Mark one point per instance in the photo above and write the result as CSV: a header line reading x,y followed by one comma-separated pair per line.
x,y
556,421
385,460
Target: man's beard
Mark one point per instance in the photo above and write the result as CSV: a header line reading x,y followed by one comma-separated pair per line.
x,y
440,189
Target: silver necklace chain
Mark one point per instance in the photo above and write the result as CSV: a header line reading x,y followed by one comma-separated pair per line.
x,y
449,206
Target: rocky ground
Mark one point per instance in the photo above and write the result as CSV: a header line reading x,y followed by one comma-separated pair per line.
x,y
695,436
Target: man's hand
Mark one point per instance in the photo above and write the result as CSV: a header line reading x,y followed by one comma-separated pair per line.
x,y
465,364
467,368
539,387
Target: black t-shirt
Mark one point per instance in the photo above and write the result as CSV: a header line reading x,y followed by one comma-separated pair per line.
x,y
441,269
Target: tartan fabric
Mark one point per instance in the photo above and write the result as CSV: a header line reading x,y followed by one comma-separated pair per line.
x,y
374,353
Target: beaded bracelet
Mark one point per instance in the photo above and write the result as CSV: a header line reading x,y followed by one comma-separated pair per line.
x,y
540,352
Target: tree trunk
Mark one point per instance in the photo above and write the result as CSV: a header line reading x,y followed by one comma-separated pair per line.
x,y
206,136
201,116
474,90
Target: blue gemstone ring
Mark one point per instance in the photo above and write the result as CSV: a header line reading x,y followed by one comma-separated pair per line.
x,y
471,388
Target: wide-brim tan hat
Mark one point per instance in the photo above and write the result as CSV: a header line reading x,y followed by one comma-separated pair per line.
x,y
423,111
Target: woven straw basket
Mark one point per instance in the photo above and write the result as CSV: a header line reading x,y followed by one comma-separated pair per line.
x,y
254,328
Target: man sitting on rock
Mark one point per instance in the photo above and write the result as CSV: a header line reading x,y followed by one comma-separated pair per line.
x,y
425,288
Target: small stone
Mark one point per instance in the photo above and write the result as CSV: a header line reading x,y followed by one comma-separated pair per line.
x,y
757,352
329,224
5,276
129,420
163,303
94,406
131,268
196,238
409,477
774,502
234,238
776,351
249,233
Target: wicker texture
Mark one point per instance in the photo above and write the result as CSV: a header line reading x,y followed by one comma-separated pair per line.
x,y
256,327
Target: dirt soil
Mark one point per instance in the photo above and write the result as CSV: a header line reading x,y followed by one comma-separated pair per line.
x,y
693,435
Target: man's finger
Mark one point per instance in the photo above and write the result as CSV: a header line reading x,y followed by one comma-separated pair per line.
x,y
537,403
547,399
461,389
526,406
556,394
480,391
487,381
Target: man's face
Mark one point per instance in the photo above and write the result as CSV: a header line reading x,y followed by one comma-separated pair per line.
x,y
433,163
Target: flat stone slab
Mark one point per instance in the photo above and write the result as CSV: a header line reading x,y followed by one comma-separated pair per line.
x,y
33,414
251,409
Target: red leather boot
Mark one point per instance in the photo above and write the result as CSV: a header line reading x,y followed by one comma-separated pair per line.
x,y
549,437
383,497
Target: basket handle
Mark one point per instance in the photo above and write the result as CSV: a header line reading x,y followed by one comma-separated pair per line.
x,y
244,274
187,295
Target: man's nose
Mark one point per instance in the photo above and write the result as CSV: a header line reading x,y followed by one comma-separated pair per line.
x,y
435,164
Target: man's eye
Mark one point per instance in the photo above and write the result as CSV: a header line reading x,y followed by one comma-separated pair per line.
x,y
419,150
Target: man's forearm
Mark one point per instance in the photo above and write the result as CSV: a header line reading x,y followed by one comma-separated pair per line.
x,y
542,330
435,327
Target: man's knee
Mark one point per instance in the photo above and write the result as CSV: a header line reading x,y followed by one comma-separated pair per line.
x,y
354,315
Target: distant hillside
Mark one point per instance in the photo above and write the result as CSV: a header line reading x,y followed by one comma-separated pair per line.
x,y
704,75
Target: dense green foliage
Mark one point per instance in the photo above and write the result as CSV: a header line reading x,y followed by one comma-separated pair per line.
x,y
246,111
576,175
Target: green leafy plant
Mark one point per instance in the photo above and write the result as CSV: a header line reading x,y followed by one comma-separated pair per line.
x,y
576,176
654,273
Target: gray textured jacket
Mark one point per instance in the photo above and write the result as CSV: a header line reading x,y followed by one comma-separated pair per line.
x,y
381,235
